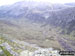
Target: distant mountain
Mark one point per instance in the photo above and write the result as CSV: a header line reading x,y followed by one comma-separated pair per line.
x,y
54,14
70,4
21,9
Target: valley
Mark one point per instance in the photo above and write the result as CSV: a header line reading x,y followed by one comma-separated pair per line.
x,y
52,26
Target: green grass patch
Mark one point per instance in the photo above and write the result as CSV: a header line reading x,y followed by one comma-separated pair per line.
x,y
7,53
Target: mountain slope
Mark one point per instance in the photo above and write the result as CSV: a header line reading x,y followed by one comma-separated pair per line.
x,y
36,25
